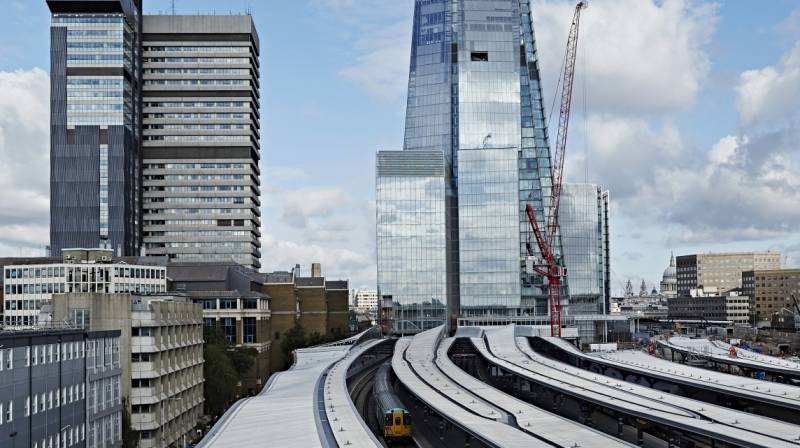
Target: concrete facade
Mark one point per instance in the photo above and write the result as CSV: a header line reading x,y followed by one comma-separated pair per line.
x,y
30,285
771,291
720,270
709,305
201,138
161,349
60,388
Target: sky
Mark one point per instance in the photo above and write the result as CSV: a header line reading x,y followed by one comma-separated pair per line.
x,y
686,111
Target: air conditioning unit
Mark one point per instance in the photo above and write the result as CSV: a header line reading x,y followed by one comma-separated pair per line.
x,y
105,258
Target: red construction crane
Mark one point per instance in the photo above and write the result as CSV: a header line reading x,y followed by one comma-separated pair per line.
x,y
548,266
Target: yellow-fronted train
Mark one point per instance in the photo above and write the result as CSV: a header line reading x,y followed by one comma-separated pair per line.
x,y
389,409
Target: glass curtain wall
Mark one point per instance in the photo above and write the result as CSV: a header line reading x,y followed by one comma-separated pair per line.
x,y
411,242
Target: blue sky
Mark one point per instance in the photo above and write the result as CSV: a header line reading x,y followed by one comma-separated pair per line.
x,y
690,121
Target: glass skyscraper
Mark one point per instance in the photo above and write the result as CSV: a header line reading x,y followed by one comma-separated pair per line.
x,y
474,96
411,237
584,227
95,125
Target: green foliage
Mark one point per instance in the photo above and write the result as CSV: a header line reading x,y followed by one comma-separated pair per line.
x,y
221,379
293,339
296,338
128,434
224,366
242,359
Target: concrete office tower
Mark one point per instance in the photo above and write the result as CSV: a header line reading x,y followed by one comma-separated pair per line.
x,y
585,238
201,138
474,96
721,270
95,79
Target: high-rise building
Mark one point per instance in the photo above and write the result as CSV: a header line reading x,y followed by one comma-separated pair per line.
x,y
201,138
411,238
721,270
154,132
474,96
95,126
585,237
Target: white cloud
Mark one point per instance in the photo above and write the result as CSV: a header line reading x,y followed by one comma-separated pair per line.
x,y
381,66
24,158
770,94
380,32
298,206
634,55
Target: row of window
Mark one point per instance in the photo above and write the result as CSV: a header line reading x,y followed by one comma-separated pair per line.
x,y
227,304
199,138
197,82
220,60
83,273
191,166
196,222
198,211
187,115
203,71
208,127
196,177
44,401
199,200
69,436
195,188
193,104
202,49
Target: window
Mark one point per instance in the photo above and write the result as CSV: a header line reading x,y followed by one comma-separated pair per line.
x,y
250,304
10,412
227,304
479,56
249,324
229,329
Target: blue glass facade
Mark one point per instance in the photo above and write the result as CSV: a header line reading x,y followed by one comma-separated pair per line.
x,y
410,235
95,125
475,96
584,227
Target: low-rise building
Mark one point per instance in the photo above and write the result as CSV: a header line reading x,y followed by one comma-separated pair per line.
x,y
161,348
317,305
231,298
771,290
60,388
28,284
709,304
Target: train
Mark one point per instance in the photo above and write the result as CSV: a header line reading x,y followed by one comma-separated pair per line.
x,y
391,414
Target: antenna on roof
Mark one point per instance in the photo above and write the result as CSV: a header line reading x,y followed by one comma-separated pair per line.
x,y
173,7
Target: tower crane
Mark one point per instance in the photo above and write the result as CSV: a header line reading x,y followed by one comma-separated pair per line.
x,y
548,265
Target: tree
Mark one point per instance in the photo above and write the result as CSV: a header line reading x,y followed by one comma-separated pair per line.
x,y
293,339
128,434
242,359
221,379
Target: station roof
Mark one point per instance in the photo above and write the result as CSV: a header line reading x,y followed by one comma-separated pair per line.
x,y
722,424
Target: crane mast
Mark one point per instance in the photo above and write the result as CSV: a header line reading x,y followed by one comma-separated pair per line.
x,y
549,266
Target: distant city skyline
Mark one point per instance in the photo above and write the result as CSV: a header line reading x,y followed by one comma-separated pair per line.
x,y
690,122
